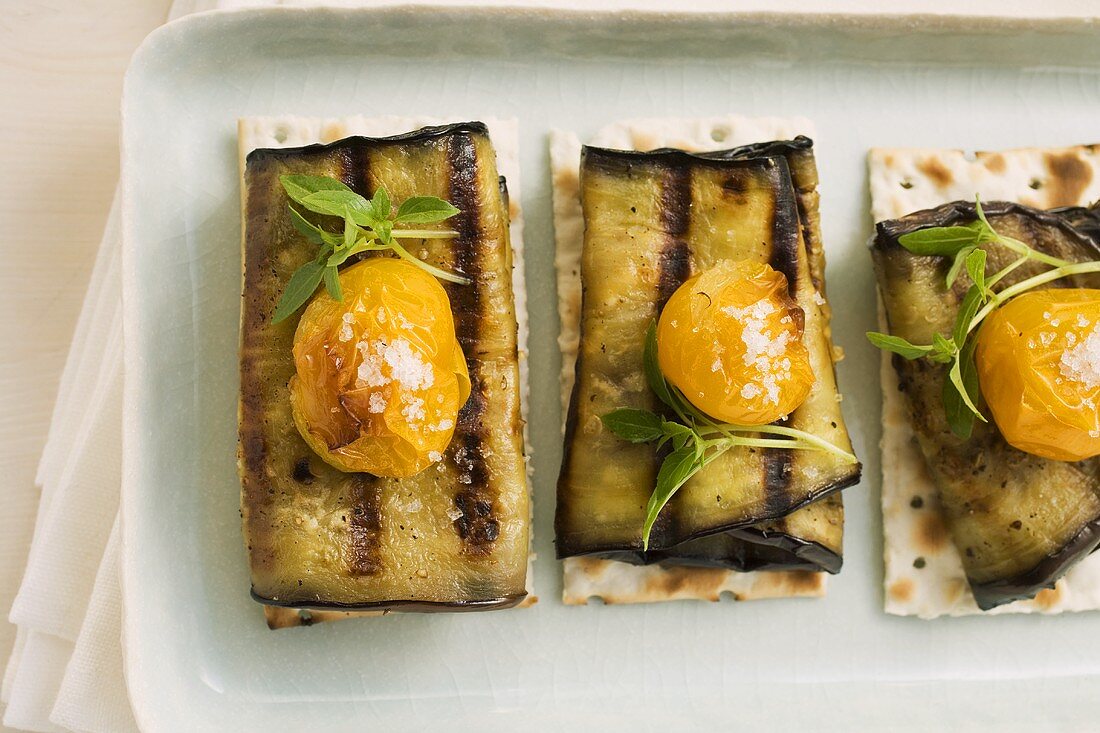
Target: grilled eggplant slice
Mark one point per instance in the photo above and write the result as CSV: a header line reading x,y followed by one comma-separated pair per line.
x,y
1019,521
455,538
681,212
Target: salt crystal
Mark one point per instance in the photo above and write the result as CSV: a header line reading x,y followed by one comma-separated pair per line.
x,y
435,456
1081,362
407,366
377,403
346,334
818,300
414,410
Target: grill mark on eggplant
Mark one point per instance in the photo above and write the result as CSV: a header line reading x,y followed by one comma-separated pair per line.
x,y
252,449
365,520
675,260
365,525
477,527
673,268
778,463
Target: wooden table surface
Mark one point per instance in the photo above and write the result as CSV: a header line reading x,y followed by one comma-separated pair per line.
x,y
61,68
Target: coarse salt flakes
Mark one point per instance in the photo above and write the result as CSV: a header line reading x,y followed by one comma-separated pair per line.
x,y
1081,362
346,333
413,411
376,403
818,300
407,366
762,349
435,456
370,373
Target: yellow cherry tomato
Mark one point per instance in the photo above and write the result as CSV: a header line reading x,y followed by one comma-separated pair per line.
x,y
380,376
1038,359
730,339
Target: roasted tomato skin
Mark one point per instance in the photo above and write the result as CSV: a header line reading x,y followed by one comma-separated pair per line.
x,y
380,376
730,339
1029,357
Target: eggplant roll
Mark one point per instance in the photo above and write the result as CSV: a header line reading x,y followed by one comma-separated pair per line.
x,y
453,537
651,221
1019,521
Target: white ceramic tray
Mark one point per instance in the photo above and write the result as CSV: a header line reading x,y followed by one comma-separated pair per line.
x,y
199,657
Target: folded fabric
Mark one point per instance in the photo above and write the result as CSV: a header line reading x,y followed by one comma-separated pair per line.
x,y
65,672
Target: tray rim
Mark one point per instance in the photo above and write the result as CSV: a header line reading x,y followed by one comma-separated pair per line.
x,y
178,29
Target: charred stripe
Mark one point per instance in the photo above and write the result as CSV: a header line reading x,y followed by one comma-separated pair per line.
x,y
476,525
778,462
365,522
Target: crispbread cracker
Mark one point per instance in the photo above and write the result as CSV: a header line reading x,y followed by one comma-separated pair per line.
x,y
904,181
609,580
292,131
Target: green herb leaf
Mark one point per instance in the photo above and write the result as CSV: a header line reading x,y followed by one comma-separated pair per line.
x,y
969,306
351,229
975,267
332,284
310,231
676,469
381,203
652,368
957,265
897,345
943,241
424,210
299,289
637,426
961,393
366,227
384,230
340,203
298,187
943,350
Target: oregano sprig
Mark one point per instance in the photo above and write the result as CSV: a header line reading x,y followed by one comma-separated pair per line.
x,y
961,394
695,438
369,225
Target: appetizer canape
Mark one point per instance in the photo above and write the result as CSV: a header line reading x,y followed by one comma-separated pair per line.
x,y
991,498
704,425
381,439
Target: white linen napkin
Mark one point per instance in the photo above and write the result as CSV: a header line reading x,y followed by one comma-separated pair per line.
x,y
65,672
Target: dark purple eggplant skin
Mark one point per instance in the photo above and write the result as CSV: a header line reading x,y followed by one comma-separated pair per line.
x,y
990,491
